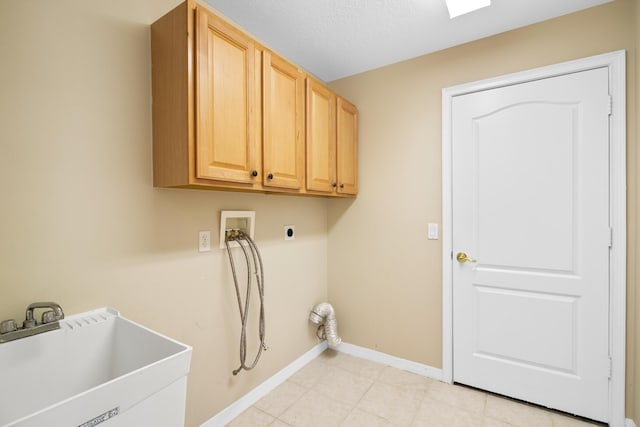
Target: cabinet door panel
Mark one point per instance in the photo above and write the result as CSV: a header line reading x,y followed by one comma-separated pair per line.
x,y
321,138
225,145
347,144
283,125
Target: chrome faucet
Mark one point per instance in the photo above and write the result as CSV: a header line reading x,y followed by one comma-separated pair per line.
x,y
10,331
47,317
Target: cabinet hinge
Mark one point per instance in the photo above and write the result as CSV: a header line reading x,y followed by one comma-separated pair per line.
x,y
610,368
610,105
610,237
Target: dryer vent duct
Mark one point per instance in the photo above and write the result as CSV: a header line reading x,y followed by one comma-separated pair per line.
x,y
324,316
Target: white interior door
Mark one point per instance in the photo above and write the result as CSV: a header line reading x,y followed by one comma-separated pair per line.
x,y
530,205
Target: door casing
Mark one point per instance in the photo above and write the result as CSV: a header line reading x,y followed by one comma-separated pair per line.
x,y
615,61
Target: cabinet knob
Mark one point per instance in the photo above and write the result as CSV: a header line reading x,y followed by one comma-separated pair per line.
x,y
270,176
334,185
341,185
254,173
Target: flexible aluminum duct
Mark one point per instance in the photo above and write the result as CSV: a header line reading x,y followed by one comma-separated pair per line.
x,y
324,316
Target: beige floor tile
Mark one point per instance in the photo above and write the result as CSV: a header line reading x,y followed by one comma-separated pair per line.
x,y
309,375
252,417
316,410
515,413
342,385
359,418
458,396
433,413
567,421
401,378
281,398
355,365
337,389
397,405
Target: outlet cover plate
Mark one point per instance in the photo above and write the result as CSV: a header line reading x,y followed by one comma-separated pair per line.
x,y
204,241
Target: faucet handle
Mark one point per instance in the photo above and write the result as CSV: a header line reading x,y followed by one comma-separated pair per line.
x,y
8,326
48,317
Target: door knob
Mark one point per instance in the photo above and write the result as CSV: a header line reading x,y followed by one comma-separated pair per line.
x,y
462,257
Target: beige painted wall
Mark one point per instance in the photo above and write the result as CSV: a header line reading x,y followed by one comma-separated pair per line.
x,y
81,224
387,295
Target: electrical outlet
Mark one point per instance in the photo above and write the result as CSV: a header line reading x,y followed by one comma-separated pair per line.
x,y
204,241
289,232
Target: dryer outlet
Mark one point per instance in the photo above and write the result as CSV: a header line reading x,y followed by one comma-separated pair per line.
x,y
289,232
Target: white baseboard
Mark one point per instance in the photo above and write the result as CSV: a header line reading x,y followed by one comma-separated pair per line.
x,y
393,361
239,406
630,423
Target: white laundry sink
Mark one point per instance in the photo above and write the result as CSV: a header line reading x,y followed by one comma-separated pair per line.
x,y
99,368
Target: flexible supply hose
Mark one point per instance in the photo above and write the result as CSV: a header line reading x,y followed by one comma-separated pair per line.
x,y
254,261
324,316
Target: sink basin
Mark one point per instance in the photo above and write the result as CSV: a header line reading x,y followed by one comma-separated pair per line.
x,y
99,368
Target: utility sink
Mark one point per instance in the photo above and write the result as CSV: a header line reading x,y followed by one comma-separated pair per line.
x,y
99,368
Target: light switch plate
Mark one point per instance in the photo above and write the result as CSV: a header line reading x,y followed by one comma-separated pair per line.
x,y
433,231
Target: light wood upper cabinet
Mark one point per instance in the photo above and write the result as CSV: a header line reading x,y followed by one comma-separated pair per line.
x,y
229,114
347,148
283,123
227,148
206,91
332,142
321,138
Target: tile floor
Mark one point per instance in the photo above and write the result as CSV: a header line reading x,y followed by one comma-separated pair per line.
x,y
337,389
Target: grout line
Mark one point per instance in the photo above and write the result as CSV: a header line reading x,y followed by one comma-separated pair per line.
x,y
373,382
299,398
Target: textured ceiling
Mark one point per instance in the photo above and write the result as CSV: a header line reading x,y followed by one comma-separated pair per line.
x,y
337,38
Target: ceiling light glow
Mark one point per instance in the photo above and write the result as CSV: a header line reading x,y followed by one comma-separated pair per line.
x,y
460,7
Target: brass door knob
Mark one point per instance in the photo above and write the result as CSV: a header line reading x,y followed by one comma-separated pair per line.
x,y
462,257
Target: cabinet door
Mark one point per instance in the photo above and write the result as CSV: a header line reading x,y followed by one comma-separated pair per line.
x,y
283,123
226,148
321,138
347,147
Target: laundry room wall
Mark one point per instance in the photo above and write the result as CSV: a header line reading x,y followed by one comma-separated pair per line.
x,y
82,225
385,277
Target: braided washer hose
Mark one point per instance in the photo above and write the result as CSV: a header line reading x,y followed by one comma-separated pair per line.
x,y
255,261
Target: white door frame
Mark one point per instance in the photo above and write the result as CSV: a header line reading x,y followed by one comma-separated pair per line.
x,y
615,61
